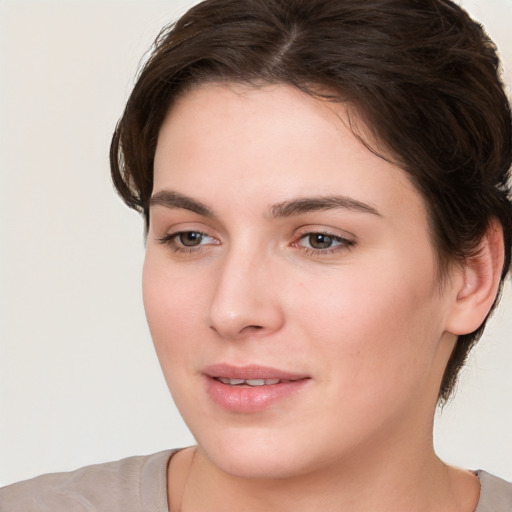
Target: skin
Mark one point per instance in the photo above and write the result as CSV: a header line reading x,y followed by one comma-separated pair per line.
x,y
365,317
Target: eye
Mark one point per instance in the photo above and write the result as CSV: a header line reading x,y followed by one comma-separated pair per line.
x,y
190,238
187,241
319,241
322,243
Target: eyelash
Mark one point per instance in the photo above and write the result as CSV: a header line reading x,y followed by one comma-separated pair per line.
x,y
170,241
342,243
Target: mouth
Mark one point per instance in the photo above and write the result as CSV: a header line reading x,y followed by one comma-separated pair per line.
x,y
250,382
251,388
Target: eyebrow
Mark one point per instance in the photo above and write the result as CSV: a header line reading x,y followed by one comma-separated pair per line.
x,y
171,199
312,204
176,200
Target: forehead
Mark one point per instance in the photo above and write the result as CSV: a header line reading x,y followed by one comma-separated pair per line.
x,y
271,142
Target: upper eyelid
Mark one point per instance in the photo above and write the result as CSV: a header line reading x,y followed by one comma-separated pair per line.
x,y
299,233
324,230
174,234
172,226
325,233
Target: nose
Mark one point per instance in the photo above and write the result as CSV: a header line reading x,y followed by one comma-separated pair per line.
x,y
245,301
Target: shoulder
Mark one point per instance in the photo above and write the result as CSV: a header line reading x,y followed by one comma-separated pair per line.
x,y
128,484
495,493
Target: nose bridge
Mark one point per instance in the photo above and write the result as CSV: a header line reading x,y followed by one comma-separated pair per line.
x,y
245,298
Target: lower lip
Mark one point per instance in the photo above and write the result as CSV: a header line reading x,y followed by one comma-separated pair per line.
x,y
251,398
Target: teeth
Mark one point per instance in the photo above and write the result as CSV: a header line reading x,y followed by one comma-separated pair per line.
x,y
234,382
255,382
248,382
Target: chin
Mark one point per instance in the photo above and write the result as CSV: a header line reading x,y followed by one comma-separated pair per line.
x,y
260,466
263,455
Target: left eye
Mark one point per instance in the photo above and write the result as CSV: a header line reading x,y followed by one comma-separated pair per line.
x,y
319,241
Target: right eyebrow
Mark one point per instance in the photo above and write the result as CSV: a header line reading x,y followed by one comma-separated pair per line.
x,y
175,200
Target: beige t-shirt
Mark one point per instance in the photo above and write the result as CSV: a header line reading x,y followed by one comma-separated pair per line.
x,y
139,484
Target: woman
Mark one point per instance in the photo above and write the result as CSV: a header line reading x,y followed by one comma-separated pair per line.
x,y
324,186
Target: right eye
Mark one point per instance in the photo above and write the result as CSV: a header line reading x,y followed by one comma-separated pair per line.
x,y
190,238
187,241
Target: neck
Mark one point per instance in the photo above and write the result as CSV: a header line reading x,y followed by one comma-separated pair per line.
x,y
416,481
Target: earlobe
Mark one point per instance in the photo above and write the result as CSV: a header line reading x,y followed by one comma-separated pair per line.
x,y
478,284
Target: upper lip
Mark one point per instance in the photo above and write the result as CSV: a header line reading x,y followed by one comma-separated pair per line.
x,y
250,372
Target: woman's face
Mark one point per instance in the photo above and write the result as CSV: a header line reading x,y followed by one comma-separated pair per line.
x,y
290,285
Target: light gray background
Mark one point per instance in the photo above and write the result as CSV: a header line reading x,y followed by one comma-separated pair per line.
x,y
79,382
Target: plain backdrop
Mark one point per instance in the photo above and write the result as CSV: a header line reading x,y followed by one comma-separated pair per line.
x,y
79,382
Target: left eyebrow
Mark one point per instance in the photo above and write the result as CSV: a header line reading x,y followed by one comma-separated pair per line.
x,y
312,204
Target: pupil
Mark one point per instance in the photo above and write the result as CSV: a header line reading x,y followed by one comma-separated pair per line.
x,y
319,241
190,238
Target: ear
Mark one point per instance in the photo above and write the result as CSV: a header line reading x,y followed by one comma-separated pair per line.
x,y
477,283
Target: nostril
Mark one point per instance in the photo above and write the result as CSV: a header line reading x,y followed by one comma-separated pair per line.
x,y
250,328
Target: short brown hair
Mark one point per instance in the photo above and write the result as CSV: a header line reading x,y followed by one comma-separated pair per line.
x,y
420,73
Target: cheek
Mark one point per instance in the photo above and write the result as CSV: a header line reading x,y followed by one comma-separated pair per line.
x,y
374,324
172,304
